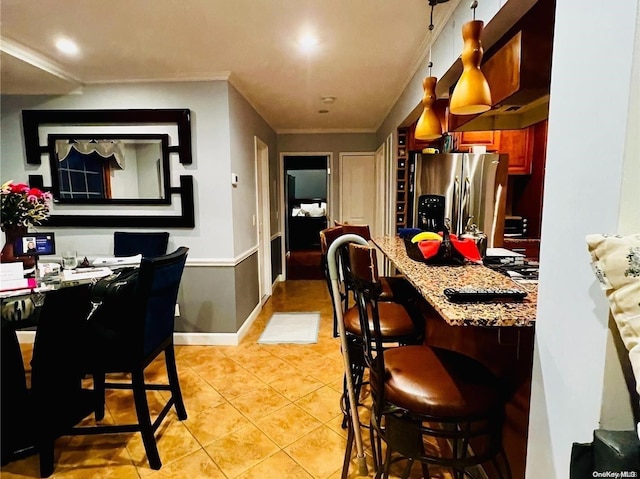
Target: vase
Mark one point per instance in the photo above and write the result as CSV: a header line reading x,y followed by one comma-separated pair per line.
x,y
11,233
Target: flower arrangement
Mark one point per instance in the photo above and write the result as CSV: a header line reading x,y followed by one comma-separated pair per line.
x,y
23,205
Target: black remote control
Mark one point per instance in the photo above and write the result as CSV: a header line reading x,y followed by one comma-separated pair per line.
x,y
470,294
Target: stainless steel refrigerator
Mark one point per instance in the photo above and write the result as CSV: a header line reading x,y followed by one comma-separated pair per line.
x,y
474,185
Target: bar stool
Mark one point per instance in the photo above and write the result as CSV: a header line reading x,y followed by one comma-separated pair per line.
x,y
393,288
420,392
400,323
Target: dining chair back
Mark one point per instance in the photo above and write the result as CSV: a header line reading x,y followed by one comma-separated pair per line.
x,y
148,244
128,344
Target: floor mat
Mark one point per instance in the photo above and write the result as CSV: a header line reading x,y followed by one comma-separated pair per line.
x,y
297,328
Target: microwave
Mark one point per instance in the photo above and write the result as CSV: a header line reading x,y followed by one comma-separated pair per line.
x,y
515,226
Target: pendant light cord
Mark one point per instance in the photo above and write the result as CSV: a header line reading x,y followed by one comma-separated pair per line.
x,y
473,7
431,17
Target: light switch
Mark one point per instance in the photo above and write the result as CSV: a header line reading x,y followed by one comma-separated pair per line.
x,y
234,179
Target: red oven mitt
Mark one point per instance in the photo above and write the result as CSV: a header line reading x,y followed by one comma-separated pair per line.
x,y
467,248
429,248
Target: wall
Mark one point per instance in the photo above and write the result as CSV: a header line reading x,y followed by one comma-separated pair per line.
x,y
310,183
224,238
585,152
334,143
245,123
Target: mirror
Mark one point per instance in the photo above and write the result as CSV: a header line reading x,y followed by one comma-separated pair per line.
x,y
116,169
100,159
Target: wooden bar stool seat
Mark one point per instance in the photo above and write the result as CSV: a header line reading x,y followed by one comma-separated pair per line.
x,y
395,324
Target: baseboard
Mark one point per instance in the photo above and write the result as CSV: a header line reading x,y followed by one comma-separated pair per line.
x,y
186,338
217,339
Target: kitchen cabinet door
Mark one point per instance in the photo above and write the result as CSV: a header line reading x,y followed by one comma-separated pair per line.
x,y
518,144
467,139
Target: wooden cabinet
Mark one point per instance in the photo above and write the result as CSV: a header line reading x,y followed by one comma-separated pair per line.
x,y
465,140
518,144
530,247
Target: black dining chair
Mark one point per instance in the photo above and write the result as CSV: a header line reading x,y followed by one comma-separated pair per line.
x,y
148,244
128,342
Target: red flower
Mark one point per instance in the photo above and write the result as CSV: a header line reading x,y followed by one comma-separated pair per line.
x,y
35,192
19,188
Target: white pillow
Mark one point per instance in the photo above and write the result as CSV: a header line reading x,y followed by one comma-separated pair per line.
x,y
616,263
308,206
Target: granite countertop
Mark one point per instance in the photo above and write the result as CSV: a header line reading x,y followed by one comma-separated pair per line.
x,y
430,281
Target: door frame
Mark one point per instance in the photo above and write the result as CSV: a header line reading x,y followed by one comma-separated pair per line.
x,y
340,184
263,223
283,199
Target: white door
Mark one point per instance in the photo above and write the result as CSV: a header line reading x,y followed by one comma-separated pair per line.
x,y
264,218
358,188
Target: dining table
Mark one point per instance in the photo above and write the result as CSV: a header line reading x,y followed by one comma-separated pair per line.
x,y
499,333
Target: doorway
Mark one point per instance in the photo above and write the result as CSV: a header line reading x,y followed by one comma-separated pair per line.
x,y
305,213
264,218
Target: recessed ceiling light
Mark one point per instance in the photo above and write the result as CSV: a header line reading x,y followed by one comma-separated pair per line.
x,y
66,46
308,42
328,99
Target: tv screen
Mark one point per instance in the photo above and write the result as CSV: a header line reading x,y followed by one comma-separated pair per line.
x,y
35,244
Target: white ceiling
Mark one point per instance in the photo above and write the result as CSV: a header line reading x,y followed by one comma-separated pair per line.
x,y
367,52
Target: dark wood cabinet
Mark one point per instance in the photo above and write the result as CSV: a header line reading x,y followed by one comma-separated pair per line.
x,y
518,144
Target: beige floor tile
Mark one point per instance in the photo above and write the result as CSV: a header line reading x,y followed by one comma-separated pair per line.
x,y
271,369
194,356
99,472
240,383
320,452
173,439
260,402
287,424
279,466
241,450
197,394
294,384
215,422
197,465
323,403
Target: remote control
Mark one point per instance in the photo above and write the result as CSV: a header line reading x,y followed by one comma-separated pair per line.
x,y
471,294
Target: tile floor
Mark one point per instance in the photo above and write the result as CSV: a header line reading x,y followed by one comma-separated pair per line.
x,y
255,411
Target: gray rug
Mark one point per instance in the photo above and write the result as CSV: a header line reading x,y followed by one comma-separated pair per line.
x,y
293,328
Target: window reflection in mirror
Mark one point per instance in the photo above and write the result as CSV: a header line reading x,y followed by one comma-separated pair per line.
x,y
110,168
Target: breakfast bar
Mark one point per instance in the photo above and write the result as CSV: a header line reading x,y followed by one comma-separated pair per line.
x,y
430,281
497,333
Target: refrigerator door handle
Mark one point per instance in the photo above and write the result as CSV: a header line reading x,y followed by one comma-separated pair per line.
x,y
455,211
464,206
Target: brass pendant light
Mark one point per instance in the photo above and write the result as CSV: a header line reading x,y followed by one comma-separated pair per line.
x,y
471,94
428,127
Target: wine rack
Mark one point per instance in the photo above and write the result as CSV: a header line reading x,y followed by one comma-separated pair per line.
x,y
402,175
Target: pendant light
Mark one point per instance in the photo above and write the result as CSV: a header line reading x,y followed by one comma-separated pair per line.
x,y
428,127
471,94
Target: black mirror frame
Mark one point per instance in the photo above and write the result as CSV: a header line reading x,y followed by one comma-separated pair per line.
x,y
33,119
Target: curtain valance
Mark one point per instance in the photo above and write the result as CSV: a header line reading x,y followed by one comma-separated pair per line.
x,y
104,148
